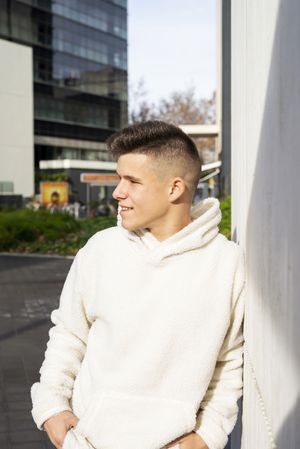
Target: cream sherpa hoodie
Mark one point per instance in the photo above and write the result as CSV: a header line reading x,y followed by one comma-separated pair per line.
x,y
148,343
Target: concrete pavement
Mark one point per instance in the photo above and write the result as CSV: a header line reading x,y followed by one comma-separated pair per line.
x,y
29,291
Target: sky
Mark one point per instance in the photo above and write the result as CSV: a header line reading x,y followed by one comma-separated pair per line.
x,y
172,47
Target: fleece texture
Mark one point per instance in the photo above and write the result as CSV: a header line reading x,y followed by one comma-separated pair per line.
x,y
147,342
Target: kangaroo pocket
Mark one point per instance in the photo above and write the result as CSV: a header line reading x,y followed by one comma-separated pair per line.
x,y
73,440
116,420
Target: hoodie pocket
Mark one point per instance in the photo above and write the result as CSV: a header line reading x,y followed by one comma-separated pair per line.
x,y
73,440
116,420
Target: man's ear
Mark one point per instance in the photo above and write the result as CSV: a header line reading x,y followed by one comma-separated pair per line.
x,y
176,189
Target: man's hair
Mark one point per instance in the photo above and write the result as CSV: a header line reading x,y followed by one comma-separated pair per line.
x,y
167,144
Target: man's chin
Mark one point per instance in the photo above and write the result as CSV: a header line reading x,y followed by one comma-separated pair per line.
x,y
127,225
130,226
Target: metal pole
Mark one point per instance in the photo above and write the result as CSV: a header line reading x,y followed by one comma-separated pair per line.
x,y
88,199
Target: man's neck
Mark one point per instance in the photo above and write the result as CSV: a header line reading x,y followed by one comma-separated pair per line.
x,y
166,230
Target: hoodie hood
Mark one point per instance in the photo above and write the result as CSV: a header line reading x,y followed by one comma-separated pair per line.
x,y
206,216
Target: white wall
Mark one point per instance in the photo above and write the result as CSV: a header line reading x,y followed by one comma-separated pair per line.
x,y
16,117
266,213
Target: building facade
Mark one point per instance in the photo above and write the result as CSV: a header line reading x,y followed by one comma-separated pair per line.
x,y
16,122
79,72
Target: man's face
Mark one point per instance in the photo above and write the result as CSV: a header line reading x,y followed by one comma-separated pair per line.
x,y
143,190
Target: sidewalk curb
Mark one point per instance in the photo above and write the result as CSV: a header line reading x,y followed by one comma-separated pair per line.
x,y
52,256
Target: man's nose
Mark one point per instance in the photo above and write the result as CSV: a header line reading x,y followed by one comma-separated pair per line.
x,y
119,192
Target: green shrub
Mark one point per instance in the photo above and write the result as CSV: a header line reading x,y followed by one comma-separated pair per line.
x,y
41,231
25,225
225,225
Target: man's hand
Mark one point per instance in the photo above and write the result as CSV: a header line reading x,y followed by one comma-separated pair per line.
x,y
188,441
58,425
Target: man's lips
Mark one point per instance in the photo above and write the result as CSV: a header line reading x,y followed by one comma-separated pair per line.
x,y
125,209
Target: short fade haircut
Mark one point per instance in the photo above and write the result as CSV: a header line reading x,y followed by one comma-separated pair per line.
x,y
165,143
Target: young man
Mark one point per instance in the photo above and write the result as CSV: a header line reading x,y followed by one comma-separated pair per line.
x,y
147,347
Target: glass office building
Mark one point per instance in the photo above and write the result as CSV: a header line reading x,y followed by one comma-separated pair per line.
x,y
80,72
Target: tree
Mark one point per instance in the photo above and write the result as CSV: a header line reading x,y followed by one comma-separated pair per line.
x,y
140,109
181,107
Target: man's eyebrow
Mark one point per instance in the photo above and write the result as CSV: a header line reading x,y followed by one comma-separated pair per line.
x,y
129,177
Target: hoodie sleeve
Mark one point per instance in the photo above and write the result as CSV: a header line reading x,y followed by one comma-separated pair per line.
x,y
218,410
65,350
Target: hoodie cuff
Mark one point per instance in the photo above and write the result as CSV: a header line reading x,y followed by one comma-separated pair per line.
x,y
39,419
211,433
46,406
